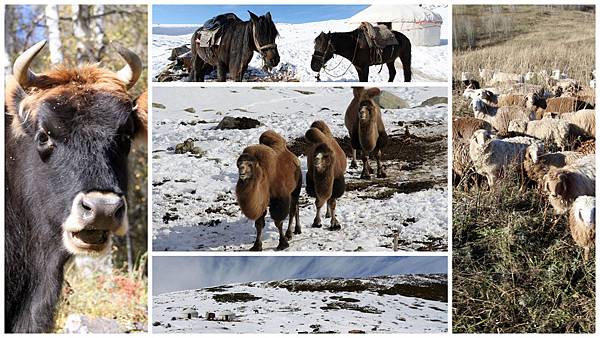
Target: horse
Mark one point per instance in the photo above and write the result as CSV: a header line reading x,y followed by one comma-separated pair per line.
x,y
239,40
346,44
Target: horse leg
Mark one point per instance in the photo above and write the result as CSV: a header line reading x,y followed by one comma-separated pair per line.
x,y
391,71
221,72
363,73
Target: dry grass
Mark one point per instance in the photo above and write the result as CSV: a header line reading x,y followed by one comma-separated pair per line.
x,y
522,38
514,269
119,296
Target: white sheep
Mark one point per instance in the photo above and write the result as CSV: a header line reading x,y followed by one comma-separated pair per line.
x,y
582,223
552,130
584,119
564,185
537,163
491,156
500,77
501,117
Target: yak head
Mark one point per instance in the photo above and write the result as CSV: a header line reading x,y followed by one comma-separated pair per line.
x,y
72,130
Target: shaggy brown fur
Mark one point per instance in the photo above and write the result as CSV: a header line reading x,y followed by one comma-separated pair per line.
x,y
536,171
367,132
326,168
270,176
462,130
565,105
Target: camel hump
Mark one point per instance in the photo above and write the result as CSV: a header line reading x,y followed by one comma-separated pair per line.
x,y
273,140
263,154
322,126
315,135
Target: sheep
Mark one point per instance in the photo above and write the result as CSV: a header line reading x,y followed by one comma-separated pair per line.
x,y
500,77
587,147
485,74
537,164
269,176
582,223
511,100
564,185
551,130
325,175
492,156
500,117
533,102
584,120
565,105
365,126
462,130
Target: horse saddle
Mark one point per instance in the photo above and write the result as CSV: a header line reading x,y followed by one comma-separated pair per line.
x,y
209,34
376,36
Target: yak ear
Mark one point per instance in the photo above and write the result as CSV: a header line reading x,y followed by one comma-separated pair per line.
x,y
13,99
253,16
372,92
141,119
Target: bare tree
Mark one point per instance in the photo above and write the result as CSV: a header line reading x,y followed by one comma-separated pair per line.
x,y
54,42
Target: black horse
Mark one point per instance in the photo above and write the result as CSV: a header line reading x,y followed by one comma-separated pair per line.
x,y
346,44
239,40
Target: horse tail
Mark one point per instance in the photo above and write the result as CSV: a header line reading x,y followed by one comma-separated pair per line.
x,y
405,55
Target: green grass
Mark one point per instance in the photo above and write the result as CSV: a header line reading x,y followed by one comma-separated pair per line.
x,y
514,268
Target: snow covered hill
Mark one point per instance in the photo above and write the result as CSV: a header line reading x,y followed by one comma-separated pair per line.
x,y
387,304
194,203
296,46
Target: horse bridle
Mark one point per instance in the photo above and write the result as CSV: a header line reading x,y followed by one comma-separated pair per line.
x,y
261,49
321,55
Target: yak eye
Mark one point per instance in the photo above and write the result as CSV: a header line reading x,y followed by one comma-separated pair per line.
x,y
44,145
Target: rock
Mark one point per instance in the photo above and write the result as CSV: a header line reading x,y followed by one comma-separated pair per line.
x,y
186,146
356,331
434,101
229,122
158,105
177,51
83,324
168,325
190,110
198,151
156,324
387,100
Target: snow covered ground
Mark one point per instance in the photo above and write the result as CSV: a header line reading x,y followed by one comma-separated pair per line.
x,y
296,46
390,304
194,203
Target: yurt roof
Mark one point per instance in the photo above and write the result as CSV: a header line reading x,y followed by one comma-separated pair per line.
x,y
396,13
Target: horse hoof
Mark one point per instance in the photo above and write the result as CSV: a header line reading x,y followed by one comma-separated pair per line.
x,y
283,245
256,247
297,231
317,225
353,165
288,236
381,174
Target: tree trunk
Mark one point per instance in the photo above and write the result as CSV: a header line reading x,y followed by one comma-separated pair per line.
x,y
98,32
54,42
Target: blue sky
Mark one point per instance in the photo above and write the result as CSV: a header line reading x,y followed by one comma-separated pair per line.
x,y
197,14
185,273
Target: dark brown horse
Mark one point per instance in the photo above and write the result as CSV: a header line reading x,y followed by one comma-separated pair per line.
x,y
239,40
346,45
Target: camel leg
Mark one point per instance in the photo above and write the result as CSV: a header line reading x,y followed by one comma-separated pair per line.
x,y
317,221
328,213
335,225
221,72
283,243
293,215
391,70
353,164
380,171
366,172
259,224
298,229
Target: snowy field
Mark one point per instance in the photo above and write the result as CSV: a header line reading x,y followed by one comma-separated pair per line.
x,y
395,304
194,203
296,46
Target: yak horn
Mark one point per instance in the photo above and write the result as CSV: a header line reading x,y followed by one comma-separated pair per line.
x,y
21,72
132,71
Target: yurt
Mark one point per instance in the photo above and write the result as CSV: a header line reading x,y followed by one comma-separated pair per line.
x,y
421,25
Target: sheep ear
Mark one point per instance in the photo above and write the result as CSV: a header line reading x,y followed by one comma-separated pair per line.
x,y
372,92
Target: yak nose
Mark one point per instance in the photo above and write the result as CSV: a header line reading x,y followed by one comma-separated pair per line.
x,y
102,211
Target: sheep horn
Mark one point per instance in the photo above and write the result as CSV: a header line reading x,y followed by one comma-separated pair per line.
x,y
132,71
21,72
